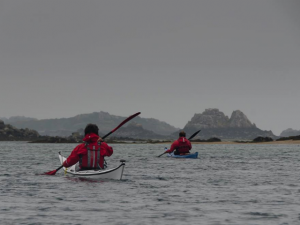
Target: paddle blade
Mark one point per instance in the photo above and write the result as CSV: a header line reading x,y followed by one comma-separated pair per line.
x,y
166,149
53,172
194,135
121,124
125,121
161,154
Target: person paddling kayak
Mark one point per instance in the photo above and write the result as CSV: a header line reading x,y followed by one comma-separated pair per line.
x,y
91,153
181,146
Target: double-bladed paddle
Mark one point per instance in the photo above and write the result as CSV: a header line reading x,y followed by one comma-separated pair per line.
x,y
53,172
188,139
194,135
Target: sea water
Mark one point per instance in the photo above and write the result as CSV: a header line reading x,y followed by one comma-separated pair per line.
x,y
227,184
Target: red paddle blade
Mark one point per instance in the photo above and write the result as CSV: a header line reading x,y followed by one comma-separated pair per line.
x,y
121,124
125,121
53,172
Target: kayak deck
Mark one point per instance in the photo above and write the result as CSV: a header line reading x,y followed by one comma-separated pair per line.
x,y
114,173
191,156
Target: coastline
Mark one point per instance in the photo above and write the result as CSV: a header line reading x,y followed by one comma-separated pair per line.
x,y
290,142
286,142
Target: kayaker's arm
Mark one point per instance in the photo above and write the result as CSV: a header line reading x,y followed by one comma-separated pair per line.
x,y
173,147
73,158
106,150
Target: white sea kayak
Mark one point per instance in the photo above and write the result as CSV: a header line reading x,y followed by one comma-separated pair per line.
x,y
114,173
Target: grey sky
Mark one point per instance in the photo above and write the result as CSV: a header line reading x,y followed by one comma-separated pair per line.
x,y
168,59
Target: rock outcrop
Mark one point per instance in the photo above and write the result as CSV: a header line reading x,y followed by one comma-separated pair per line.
x,y
210,118
239,120
213,118
214,123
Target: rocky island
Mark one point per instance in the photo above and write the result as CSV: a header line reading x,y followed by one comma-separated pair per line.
x,y
214,123
290,132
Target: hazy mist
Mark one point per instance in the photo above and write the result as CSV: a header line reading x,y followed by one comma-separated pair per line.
x,y
168,59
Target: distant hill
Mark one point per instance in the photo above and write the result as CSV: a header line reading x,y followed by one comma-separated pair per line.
x,y
132,130
289,132
105,121
10,133
13,119
214,123
137,131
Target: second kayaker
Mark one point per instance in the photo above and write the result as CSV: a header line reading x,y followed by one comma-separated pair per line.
x,y
91,153
181,146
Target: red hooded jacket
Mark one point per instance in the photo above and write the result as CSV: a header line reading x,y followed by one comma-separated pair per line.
x,y
81,153
182,145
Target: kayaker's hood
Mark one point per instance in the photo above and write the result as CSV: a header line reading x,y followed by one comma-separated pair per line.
x,y
182,139
91,137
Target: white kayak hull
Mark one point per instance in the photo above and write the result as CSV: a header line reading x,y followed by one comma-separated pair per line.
x,y
114,173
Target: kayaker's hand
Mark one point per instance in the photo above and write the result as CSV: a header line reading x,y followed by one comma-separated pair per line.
x,y
65,164
100,139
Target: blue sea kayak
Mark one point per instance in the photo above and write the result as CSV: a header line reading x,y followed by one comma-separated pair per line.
x,y
191,156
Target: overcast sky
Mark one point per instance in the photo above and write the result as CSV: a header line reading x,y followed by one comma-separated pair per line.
x,y
168,59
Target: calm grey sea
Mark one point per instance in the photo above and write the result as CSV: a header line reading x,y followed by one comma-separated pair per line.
x,y
228,184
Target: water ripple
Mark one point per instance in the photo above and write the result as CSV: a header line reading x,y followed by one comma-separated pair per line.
x,y
228,184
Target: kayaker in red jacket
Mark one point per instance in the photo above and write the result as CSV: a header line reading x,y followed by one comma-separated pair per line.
x,y
91,153
181,146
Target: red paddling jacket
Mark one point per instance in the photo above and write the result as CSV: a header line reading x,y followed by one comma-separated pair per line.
x,y
181,145
89,154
